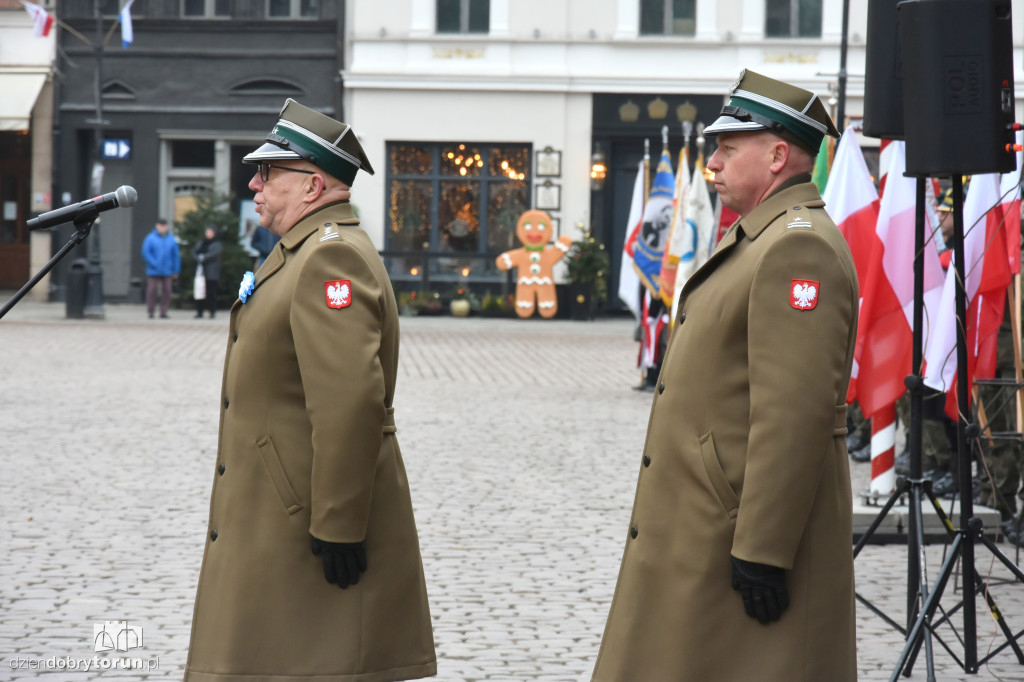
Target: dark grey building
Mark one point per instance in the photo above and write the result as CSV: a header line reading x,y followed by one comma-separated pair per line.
x,y
200,86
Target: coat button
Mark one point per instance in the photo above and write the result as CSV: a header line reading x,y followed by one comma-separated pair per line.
x,y
661,387
213,535
220,469
647,461
682,317
235,337
633,532
226,402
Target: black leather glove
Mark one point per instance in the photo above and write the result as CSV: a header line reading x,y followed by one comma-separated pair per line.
x,y
762,587
344,562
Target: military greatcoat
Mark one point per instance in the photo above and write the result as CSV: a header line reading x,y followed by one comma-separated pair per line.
x,y
746,455
308,446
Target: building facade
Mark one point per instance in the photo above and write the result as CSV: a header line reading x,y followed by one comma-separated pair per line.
x,y
470,110
197,89
445,92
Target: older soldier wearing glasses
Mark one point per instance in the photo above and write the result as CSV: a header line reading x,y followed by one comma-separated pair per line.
x,y
312,567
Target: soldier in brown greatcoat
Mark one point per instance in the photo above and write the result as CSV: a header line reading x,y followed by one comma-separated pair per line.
x,y
312,566
738,563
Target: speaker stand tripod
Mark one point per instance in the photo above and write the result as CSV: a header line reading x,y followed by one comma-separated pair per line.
x,y
922,603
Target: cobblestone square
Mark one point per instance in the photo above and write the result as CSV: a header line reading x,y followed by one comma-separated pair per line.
x,y
522,441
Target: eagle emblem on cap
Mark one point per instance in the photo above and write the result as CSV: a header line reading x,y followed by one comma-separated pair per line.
x,y
805,294
736,85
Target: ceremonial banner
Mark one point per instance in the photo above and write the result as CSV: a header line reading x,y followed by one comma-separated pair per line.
x,y
650,244
678,234
700,230
629,282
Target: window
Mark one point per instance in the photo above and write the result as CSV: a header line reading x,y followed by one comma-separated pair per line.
x,y
463,16
792,19
452,207
285,9
668,17
206,8
192,153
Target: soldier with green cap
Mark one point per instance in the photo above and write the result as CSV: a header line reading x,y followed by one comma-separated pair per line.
x,y
738,562
312,565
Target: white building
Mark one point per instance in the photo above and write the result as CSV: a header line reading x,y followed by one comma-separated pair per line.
x,y
444,92
26,127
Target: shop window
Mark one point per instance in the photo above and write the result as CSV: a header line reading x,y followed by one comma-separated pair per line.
x,y
453,207
668,17
792,19
463,16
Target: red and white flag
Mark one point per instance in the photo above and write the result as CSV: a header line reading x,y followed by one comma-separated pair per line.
x,y
987,274
629,281
884,334
1009,194
43,19
851,200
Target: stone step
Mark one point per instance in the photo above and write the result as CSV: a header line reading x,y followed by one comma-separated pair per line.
x,y
895,526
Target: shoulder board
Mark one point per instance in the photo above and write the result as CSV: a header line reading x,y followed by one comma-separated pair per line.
x,y
329,231
798,217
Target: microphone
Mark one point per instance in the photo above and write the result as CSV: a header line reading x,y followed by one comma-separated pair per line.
x,y
122,196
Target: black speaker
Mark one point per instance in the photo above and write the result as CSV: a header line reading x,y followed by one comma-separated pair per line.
x,y
957,86
883,79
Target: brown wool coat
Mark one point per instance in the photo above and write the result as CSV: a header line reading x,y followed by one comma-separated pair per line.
x,y
307,445
746,455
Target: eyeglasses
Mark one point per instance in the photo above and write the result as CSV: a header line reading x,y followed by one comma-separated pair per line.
x,y
264,170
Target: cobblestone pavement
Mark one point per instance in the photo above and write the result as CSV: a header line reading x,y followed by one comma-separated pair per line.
x,y
522,441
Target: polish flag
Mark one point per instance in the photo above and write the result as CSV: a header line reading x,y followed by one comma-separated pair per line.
x,y
43,19
1009,195
987,274
851,200
884,333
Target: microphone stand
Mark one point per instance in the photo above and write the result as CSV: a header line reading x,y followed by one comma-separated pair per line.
x,y
83,225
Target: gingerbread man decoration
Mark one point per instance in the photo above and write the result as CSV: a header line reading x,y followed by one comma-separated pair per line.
x,y
535,287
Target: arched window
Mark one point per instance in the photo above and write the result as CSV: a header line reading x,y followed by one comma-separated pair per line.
x,y
266,86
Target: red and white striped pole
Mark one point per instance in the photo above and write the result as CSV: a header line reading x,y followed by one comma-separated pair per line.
x,y
883,450
883,422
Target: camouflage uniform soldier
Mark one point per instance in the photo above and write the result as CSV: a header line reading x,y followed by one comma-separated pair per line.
x,y
1003,457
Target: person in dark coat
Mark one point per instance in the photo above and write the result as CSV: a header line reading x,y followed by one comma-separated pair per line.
x,y
207,255
738,562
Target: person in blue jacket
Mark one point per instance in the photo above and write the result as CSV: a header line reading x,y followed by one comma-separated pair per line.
x,y
163,263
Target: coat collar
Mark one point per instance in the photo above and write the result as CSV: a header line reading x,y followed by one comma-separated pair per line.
x,y
798,190
341,213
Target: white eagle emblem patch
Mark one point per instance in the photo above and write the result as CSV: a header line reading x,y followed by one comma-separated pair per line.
x,y
338,293
804,295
